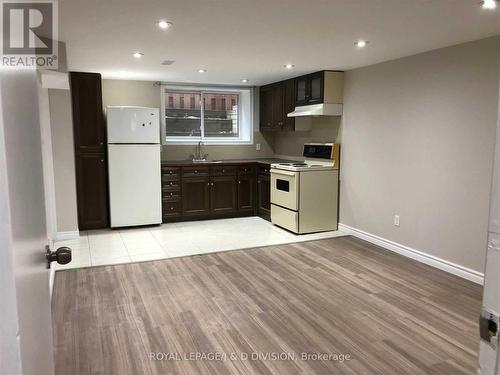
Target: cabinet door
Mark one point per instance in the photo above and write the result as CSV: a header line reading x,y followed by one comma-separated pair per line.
x,y
266,108
246,187
264,196
223,194
278,106
92,191
316,82
195,196
88,119
289,104
301,90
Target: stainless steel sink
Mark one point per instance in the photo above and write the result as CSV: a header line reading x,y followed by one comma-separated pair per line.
x,y
206,161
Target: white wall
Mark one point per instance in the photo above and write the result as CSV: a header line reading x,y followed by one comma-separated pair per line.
x,y
418,140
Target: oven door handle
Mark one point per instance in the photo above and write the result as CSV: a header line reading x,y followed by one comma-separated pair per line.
x,y
285,173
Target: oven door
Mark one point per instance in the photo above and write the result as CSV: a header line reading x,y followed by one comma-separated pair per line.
x,y
285,189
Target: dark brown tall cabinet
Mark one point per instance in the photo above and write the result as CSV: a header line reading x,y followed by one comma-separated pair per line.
x,y
89,129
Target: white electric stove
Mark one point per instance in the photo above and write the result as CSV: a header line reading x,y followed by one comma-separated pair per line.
x,y
304,195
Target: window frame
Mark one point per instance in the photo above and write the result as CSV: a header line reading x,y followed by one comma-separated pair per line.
x,y
245,133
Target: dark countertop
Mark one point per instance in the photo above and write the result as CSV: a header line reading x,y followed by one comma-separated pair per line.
x,y
188,163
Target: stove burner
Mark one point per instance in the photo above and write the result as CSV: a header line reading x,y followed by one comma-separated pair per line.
x,y
295,164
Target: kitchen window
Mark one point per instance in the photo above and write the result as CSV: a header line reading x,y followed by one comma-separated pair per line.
x,y
214,115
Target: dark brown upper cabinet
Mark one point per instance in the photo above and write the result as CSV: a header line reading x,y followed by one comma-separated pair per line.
x,y
309,89
267,108
278,106
90,151
276,101
326,86
88,117
289,104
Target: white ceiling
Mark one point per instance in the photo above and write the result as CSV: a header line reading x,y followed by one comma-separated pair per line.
x,y
235,39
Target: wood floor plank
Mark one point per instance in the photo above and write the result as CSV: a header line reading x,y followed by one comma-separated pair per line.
x,y
300,302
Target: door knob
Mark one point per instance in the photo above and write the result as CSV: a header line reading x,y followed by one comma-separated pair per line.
x,y
61,255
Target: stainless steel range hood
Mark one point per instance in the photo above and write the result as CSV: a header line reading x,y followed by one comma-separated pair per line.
x,y
325,109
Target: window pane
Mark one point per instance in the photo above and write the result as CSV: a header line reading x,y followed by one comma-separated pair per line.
x,y
221,115
182,114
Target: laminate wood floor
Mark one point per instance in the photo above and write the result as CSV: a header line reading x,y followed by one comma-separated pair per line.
x,y
267,311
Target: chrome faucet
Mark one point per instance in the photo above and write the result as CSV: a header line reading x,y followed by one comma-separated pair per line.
x,y
199,153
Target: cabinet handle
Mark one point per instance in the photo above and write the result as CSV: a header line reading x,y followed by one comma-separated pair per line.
x,y
101,143
212,184
102,160
239,182
195,171
258,182
171,184
170,172
223,171
208,183
171,208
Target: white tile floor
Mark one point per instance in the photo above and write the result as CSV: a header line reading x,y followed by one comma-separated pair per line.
x,y
104,247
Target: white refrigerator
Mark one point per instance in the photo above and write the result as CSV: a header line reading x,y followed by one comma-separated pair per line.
x,y
134,166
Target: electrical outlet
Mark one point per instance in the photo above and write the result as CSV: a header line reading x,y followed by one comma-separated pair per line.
x,y
396,220
257,146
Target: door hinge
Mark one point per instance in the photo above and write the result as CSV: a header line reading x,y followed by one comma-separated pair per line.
x,y
488,327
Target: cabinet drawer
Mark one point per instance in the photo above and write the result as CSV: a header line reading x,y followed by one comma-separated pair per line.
x,y
170,174
223,171
244,170
170,170
170,177
264,169
194,171
171,208
172,196
171,186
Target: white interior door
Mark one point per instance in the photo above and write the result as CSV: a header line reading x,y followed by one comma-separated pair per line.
x,y
489,350
25,324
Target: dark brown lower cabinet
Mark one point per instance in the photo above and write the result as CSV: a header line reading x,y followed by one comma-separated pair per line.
x,y
223,194
246,193
196,196
264,196
219,191
92,191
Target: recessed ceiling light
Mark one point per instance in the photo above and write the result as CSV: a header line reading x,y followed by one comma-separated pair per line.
x,y
162,24
361,43
289,66
202,70
244,80
489,4
137,55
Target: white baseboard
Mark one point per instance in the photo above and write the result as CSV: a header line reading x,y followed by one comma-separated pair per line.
x,y
431,260
64,236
